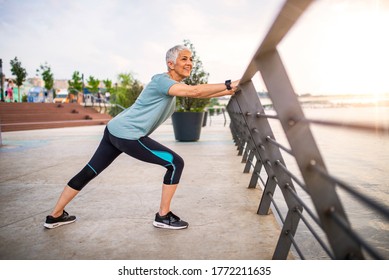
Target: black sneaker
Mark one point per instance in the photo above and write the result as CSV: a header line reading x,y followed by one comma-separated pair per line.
x,y
64,219
169,221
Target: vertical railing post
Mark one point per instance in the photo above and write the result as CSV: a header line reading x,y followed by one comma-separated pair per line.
x,y
255,176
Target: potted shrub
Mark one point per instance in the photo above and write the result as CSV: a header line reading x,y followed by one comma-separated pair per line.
x,y
188,118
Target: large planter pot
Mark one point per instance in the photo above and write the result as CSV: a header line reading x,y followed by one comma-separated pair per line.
x,y
187,125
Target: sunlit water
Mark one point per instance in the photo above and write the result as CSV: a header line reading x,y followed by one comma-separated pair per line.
x,y
357,157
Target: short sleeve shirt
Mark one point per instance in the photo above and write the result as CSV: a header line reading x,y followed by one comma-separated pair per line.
x,y
153,106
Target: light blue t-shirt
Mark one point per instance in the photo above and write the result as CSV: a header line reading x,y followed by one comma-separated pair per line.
x,y
153,106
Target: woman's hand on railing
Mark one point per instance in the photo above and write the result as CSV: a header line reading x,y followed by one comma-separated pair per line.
x,y
234,87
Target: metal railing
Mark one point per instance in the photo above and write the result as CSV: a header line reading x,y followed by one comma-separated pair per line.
x,y
90,100
210,114
326,219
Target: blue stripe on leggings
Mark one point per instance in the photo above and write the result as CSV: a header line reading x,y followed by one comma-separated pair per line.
x,y
166,156
92,168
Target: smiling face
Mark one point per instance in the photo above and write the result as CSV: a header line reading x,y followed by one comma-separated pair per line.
x,y
183,66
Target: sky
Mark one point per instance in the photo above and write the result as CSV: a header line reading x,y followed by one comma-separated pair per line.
x,y
338,46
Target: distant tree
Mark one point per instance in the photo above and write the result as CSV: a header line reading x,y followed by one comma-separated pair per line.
x,y
75,84
93,84
47,76
125,79
126,92
133,92
19,72
108,85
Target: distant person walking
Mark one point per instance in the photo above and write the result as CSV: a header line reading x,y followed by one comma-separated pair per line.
x,y
45,95
10,93
99,97
129,132
107,96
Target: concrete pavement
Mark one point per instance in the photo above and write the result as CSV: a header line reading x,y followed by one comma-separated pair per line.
x,y
115,211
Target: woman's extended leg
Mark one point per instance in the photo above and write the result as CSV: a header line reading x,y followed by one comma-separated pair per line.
x,y
105,154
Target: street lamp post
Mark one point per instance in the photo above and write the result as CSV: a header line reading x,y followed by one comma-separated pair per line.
x,y
82,77
1,81
1,93
83,92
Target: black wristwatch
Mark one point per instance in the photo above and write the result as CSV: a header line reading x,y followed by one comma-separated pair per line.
x,y
228,84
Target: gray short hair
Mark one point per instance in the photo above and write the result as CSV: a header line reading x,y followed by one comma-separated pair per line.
x,y
172,53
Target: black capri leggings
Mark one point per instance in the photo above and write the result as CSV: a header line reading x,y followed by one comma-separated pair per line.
x,y
144,149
